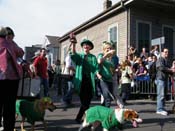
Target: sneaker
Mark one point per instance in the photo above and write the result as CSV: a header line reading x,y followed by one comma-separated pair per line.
x,y
121,106
164,113
1,128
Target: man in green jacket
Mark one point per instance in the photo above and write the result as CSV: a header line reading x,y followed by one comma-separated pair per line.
x,y
84,80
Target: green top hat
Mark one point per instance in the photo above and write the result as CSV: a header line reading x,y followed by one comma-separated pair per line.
x,y
88,42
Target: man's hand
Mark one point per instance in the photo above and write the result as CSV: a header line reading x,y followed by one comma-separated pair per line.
x,y
73,39
99,76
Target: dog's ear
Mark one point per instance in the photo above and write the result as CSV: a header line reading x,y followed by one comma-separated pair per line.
x,y
46,100
127,114
130,114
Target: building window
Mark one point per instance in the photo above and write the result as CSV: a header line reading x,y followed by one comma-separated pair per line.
x,y
168,33
143,36
113,35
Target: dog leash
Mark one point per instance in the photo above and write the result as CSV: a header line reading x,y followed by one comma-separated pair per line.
x,y
113,98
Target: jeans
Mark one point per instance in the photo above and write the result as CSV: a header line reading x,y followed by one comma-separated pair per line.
x,y
125,91
161,86
67,91
107,92
45,84
115,90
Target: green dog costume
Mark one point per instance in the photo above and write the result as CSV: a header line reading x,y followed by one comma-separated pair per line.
x,y
28,109
107,116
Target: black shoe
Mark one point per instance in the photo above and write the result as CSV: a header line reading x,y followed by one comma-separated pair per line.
x,y
78,121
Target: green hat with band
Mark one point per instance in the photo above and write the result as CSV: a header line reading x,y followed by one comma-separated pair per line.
x,y
88,42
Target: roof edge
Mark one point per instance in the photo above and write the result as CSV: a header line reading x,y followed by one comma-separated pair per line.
x,y
77,29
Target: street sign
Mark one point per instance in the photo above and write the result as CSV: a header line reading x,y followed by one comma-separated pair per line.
x,y
158,41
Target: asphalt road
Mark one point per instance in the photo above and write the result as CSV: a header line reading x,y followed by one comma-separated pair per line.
x,y
63,120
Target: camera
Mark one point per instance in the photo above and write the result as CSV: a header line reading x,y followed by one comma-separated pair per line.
x,y
72,38
127,75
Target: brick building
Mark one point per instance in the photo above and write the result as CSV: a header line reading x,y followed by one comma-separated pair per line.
x,y
126,23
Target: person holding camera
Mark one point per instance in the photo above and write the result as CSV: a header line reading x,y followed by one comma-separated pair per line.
x,y
86,69
107,68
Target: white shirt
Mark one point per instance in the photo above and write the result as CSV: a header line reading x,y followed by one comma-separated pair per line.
x,y
124,72
69,64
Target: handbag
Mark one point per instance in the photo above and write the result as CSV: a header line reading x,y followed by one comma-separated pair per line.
x,y
132,83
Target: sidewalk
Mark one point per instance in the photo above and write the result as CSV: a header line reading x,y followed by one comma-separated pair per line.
x,y
63,120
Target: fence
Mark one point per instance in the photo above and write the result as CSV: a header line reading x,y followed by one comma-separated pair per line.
x,y
146,86
29,88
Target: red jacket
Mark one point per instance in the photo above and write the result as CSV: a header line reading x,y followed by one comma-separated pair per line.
x,y
9,52
40,65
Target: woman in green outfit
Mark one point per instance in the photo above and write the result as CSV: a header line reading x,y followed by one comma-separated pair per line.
x,y
107,67
84,80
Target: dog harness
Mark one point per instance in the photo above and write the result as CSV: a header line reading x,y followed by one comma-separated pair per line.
x,y
107,116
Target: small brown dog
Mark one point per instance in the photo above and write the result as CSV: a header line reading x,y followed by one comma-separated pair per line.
x,y
108,117
34,111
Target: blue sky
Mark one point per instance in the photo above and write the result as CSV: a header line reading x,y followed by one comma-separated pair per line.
x,y
31,20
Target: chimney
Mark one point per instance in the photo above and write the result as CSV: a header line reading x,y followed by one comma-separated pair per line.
x,y
107,4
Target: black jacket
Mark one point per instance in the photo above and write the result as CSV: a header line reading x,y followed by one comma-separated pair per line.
x,y
162,68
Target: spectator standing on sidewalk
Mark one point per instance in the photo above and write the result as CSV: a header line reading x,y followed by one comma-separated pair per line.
x,y
40,63
10,74
51,74
126,78
173,67
68,86
155,51
163,72
152,74
86,69
132,51
144,54
57,79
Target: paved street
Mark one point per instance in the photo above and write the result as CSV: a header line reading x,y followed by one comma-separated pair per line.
x,y
63,120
